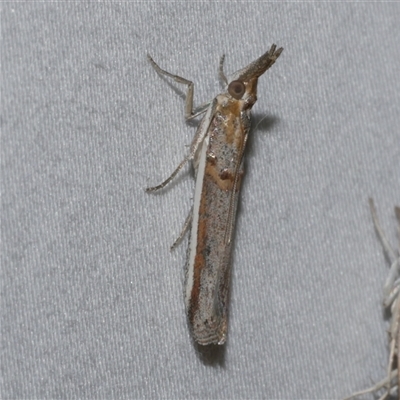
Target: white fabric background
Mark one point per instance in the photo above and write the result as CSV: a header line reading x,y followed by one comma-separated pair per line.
x,y
92,299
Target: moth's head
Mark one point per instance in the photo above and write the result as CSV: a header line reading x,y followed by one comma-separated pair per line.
x,y
242,85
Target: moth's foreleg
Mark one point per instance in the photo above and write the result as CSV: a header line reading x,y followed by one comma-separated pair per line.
x,y
169,179
189,113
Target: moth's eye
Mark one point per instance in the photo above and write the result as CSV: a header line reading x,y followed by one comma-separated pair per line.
x,y
236,89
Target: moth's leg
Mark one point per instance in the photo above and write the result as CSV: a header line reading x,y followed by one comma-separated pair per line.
x,y
199,110
186,225
169,179
189,112
197,140
202,129
222,76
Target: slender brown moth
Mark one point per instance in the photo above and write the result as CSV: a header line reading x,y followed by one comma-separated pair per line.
x,y
217,155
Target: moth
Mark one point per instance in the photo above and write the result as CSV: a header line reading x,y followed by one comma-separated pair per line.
x,y
217,153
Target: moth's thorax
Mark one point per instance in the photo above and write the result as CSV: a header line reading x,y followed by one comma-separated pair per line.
x,y
227,124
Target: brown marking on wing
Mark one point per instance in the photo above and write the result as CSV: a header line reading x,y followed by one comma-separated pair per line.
x,y
231,113
199,261
224,179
